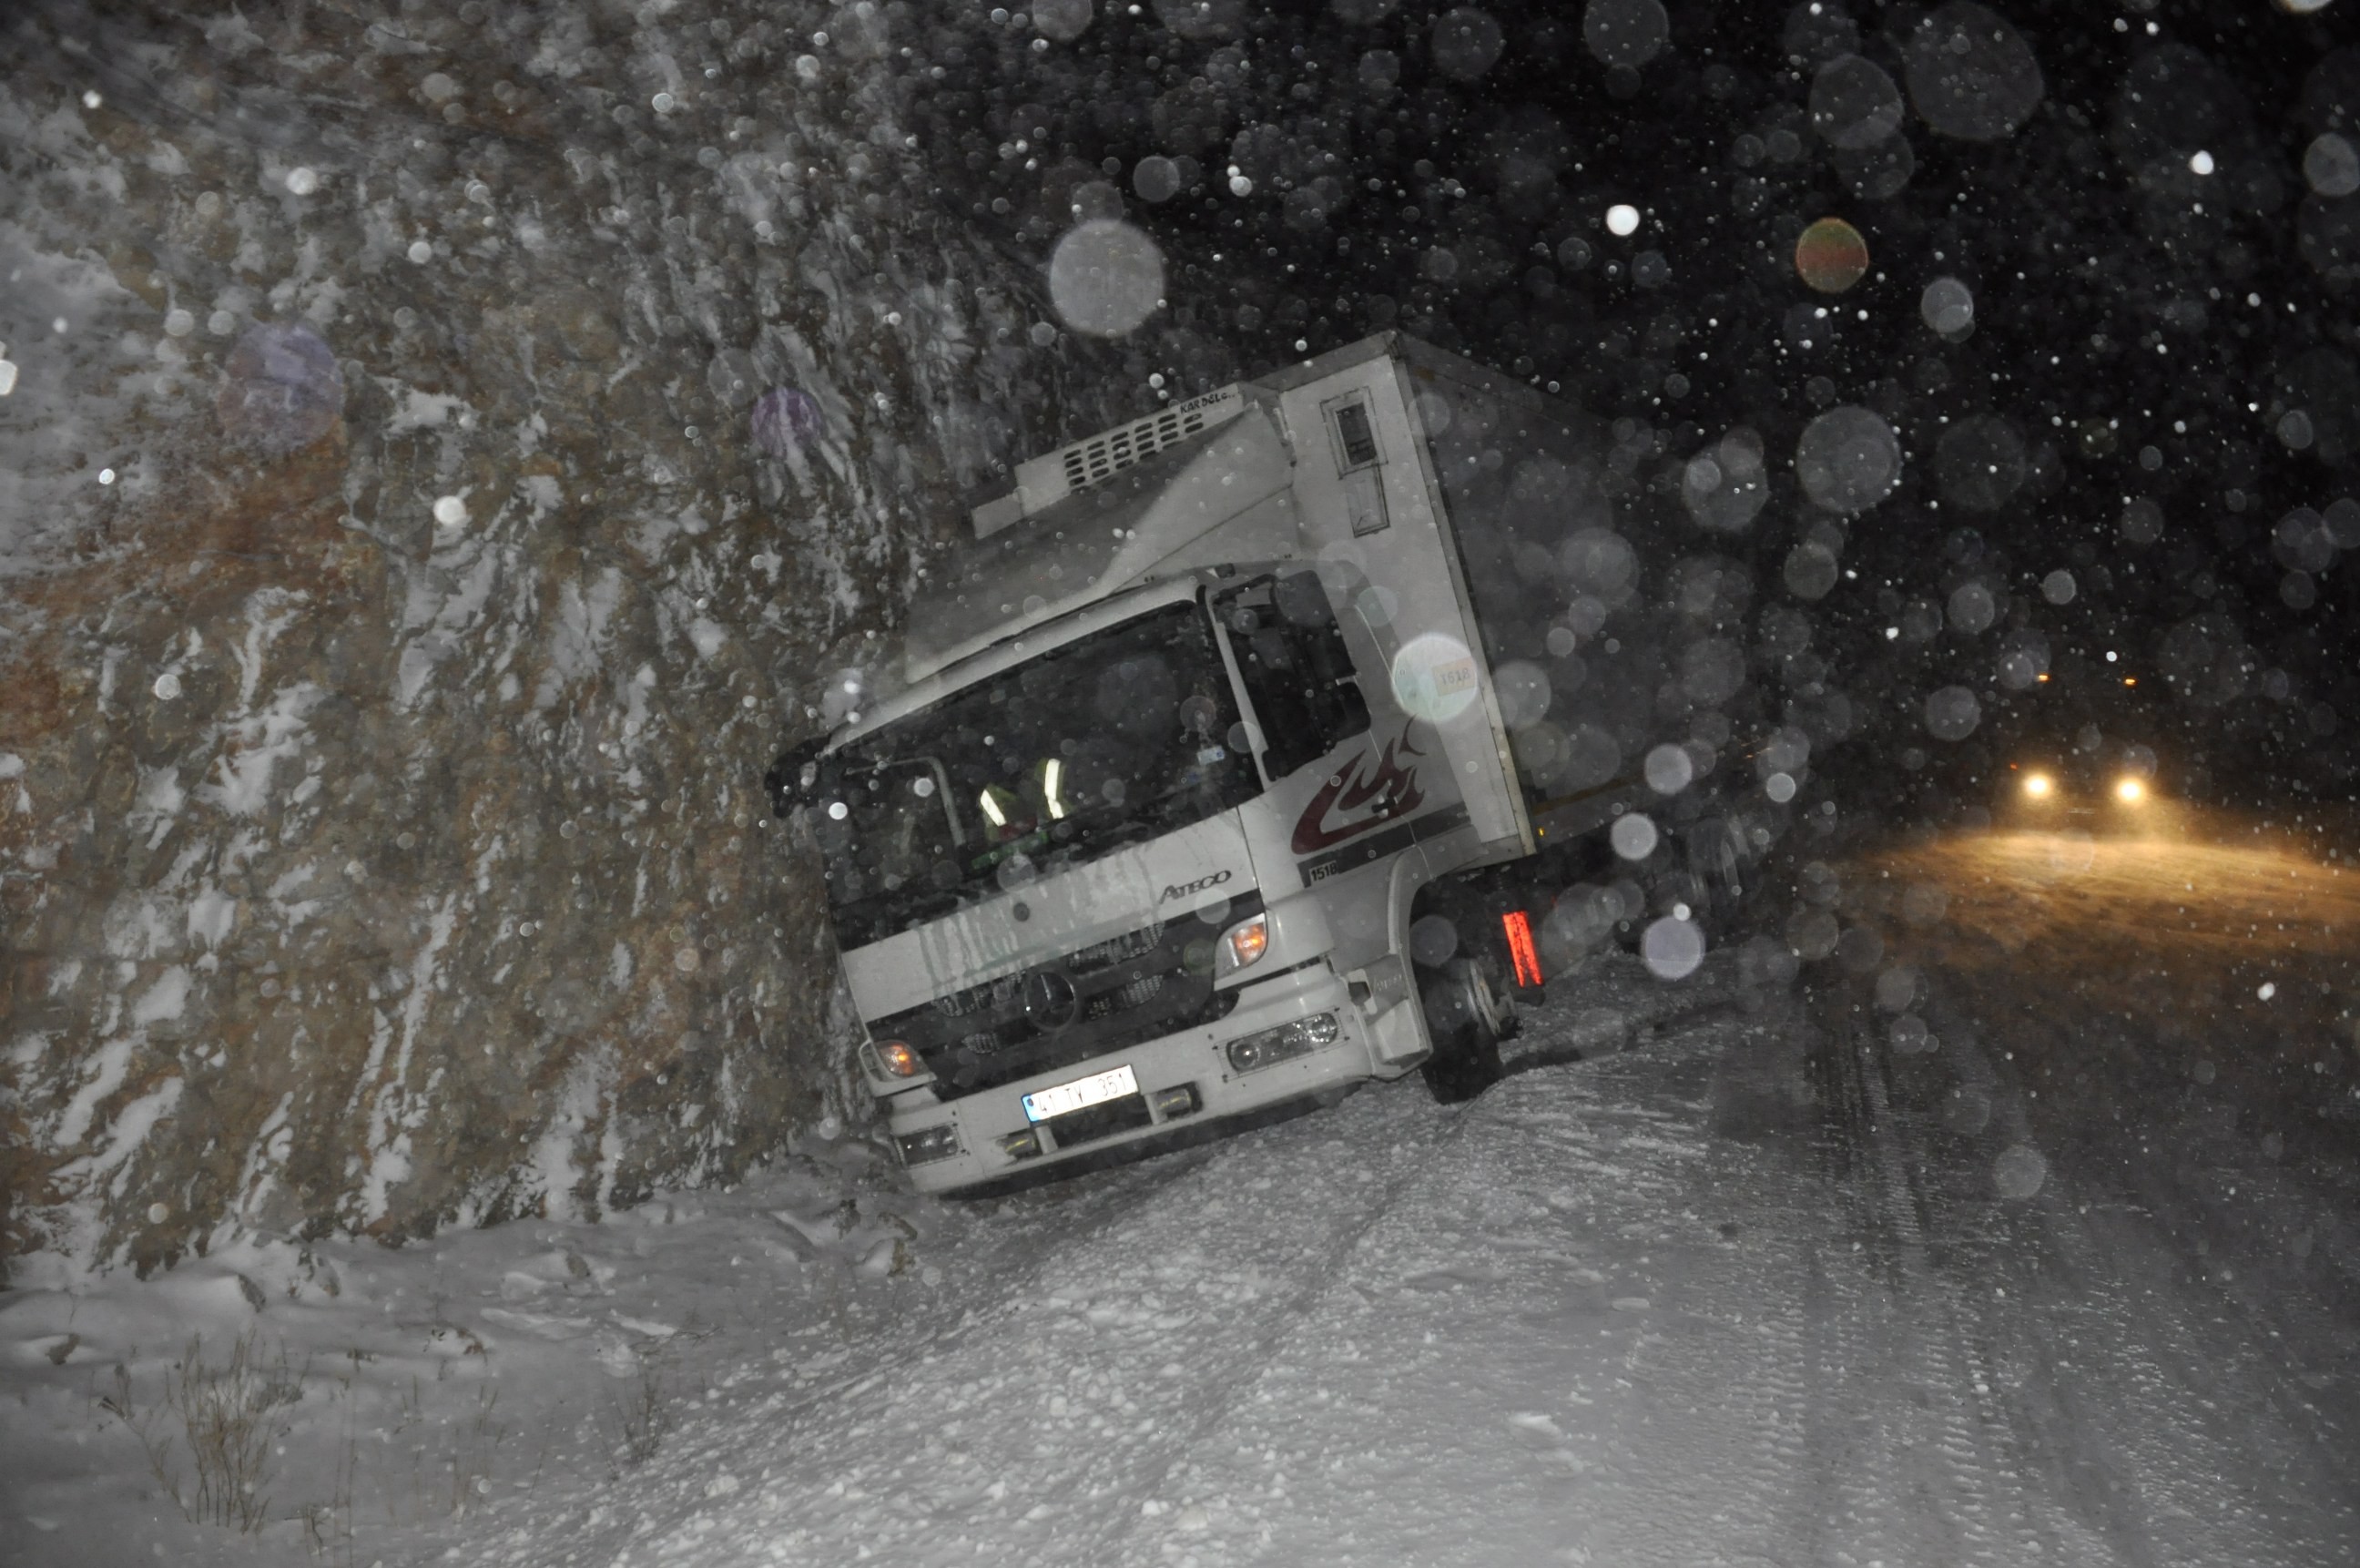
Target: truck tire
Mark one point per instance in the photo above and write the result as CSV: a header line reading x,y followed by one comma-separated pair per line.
x,y
1467,1022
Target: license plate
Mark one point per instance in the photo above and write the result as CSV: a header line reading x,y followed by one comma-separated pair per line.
x,y
1081,1094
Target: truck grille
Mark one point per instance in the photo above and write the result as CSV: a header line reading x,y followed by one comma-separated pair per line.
x,y
1139,985
960,1003
1138,994
1114,950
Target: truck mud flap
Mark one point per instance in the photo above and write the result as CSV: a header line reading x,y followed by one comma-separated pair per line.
x,y
1186,1135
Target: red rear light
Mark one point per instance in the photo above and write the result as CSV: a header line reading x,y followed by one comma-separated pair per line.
x,y
900,1060
1518,928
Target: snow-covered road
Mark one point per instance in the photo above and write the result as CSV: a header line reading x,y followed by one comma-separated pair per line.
x,y
1715,1276
1733,1289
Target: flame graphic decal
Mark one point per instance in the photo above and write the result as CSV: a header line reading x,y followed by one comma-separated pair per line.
x,y
1376,788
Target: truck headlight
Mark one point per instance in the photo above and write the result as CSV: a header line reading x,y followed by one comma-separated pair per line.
x,y
1271,1047
1244,943
897,1059
929,1144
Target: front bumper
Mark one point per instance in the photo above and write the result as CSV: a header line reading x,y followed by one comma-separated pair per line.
x,y
1226,1100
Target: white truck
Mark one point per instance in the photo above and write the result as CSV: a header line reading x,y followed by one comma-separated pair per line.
x,y
1243,754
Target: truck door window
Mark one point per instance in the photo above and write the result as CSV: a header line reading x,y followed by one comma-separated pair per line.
x,y
1298,674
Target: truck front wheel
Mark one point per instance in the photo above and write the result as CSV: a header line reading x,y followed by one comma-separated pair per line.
x,y
1467,1022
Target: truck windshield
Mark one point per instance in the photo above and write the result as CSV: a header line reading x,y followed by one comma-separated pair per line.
x,y
1113,738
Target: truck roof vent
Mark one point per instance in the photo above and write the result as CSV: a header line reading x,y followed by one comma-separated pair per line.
x,y
1101,457
1042,482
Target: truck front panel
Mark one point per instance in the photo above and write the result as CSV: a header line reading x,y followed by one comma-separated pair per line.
x,y
1290,1042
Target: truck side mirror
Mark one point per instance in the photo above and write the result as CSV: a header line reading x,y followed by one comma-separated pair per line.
x,y
794,778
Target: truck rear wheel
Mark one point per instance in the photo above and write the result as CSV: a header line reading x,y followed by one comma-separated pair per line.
x,y
1467,1022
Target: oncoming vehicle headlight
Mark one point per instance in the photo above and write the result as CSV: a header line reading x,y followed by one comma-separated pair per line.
x,y
1271,1047
929,1144
2038,786
1245,943
2130,791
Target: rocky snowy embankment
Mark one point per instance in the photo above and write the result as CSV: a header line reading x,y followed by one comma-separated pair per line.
x,y
447,453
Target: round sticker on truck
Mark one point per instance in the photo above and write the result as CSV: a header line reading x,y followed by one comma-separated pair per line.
x,y
1435,676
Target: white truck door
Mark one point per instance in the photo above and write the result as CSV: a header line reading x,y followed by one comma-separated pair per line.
x,y
1372,514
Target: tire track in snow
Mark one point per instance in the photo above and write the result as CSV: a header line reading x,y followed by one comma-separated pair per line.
x,y
1970,1430
1046,1423
1491,1387
1719,1445
2122,1422
2164,1416
1126,1538
1935,1471
2232,1331
2185,1391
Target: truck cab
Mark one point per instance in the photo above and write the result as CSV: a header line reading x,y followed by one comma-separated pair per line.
x,y
1206,705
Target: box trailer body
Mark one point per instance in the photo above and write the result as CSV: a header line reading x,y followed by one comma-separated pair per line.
x,y
1209,704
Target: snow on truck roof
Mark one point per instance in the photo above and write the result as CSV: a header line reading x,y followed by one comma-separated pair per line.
x,y
1138,522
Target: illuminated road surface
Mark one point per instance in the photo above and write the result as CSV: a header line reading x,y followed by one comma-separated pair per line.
x,y
2063,898
2138,971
